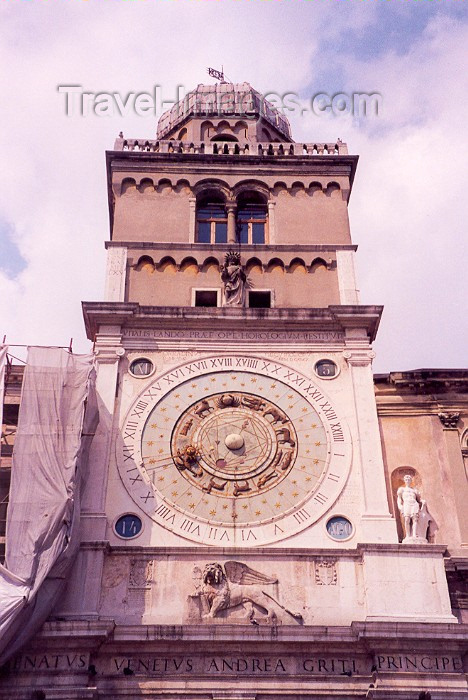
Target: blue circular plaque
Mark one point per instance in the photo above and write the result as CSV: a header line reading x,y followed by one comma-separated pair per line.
x,y
128,526
339,528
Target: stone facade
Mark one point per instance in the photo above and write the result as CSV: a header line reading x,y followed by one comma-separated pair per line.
x,y
240,532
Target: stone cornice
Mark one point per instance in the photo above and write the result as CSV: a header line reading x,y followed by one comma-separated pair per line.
x,y
261,552
425,379
247,250
453,634
132,315
419,405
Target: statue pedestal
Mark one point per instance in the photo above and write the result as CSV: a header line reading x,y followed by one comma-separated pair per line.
x,y
415,540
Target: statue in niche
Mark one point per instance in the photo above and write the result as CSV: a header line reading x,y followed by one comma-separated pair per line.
x,y
234,279
416,516
235,584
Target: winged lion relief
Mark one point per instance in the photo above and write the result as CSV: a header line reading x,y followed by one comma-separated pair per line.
x,y
236,593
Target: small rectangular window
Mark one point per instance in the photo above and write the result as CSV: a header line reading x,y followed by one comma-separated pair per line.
x,y
220,232
258,232
204,232
206,297
260,300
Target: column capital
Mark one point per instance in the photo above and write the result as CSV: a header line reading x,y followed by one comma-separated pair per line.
x,y
108,347
359,357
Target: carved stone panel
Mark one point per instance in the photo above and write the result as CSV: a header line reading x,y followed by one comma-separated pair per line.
x,y
235,592
326,572
141,573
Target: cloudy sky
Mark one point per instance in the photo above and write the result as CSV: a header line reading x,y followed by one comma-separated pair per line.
x,y
409,208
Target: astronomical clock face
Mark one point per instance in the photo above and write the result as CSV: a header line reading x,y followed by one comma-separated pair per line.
x,y
234,451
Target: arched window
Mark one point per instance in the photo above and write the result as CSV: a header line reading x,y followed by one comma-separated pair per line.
x,y
251,218
211,219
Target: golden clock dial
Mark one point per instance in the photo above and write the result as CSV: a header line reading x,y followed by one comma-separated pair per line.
x,y
235,455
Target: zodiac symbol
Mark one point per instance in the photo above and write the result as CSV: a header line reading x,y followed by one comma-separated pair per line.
x,y
256,404
203,409
240,489
266,477
227,400
188,459
186,427
212,484
277,417
286,433
286,461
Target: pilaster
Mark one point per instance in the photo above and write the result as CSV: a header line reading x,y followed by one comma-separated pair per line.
x,y
349,294
116,273
271,223
377,523
85,587
457,468
192,218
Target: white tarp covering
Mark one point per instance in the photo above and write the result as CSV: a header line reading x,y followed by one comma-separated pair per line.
x,y
43,514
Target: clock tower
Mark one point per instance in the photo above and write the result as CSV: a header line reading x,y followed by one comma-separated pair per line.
x,y
236,534
246,410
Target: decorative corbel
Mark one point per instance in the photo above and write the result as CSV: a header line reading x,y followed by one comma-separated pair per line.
x,y
449,420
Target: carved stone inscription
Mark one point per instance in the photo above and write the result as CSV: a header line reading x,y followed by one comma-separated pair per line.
x,y
73,661
274,666
284,336
243,664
